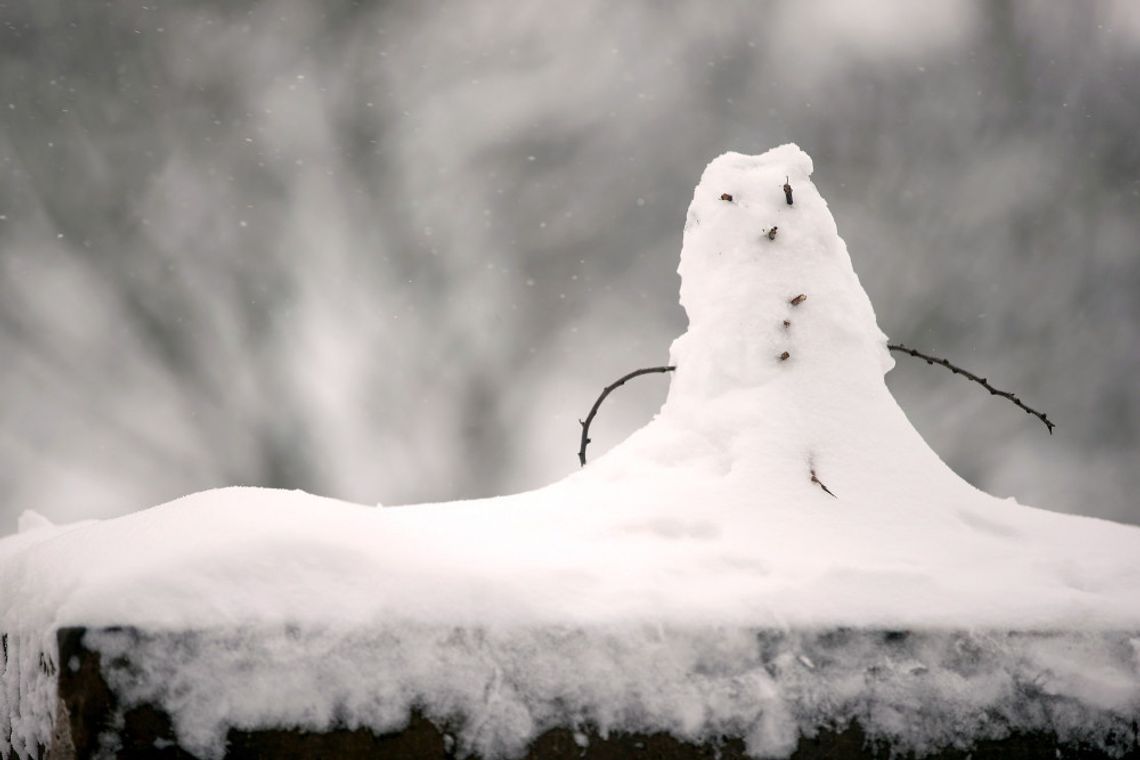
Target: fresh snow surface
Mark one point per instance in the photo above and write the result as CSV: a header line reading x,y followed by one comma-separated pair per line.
x,y
690,580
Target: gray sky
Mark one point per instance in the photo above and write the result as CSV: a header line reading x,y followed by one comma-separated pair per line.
x,y
392,252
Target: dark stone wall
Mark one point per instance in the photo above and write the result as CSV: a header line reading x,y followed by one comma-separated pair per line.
x,y
89,716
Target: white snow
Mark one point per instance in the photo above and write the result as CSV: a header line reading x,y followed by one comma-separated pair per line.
x,y
693,579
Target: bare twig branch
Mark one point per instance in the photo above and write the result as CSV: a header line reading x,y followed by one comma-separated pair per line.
x,y
819,483
979,380
784,356
597,404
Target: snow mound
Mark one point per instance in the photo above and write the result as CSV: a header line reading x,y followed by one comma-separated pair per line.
x,y
30,520
779,488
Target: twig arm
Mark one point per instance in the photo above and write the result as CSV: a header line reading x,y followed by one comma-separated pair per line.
x,y
979,380
597,404
1049,424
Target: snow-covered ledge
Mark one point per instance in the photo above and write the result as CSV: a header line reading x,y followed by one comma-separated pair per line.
x,y
696,581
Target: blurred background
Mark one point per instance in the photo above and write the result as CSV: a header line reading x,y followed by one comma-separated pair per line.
x,y
391,252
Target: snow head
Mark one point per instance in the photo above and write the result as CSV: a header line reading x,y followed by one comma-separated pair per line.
x,y
768,285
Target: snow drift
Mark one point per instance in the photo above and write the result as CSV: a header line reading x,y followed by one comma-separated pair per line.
x,y
646,591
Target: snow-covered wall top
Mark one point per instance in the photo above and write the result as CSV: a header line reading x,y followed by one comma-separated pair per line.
x,y
780,486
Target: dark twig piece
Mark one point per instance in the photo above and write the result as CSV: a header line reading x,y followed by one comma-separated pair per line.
x,y
798,299
979,380
819,483
772,233
787,190
726,197
784,356
607,391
